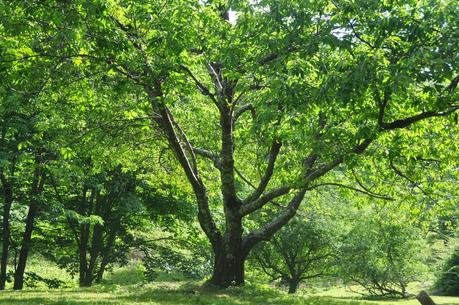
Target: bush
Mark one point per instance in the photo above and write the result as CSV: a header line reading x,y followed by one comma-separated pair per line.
x,y
448,281
382,254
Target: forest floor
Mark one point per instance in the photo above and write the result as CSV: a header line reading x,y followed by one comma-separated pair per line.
x,y
124,287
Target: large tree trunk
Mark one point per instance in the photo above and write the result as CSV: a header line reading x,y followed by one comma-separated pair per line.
x,y
228,268
8,200
230,255
293,285
37,188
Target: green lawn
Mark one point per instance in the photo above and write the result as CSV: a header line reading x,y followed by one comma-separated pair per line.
x,y
177,293
125,287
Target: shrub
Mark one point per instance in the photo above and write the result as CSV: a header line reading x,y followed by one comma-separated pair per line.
x,y
382,254
448,281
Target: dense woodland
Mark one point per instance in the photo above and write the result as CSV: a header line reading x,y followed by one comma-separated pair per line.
x,y
296,143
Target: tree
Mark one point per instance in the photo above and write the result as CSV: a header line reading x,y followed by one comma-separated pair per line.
x,y
95,219
23,154
382,253
300,251
325,82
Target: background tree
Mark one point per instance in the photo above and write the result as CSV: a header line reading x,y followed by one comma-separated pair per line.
x,y
302,250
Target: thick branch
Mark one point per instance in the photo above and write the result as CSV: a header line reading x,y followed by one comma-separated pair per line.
x,y
187,143
260,202
276,224
216,77
402,123
311,175
209,155
165,122
241,110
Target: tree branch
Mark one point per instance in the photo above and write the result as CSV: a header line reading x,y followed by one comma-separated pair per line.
x,y
204,215
276,224
187,143
209,155
401,174
402,123
204,90
371,194
260,202
303,184
240,111
273,153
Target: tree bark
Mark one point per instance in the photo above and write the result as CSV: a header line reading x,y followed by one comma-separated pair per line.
x,y
82,251
83,241
37,188
96,243
230,255
8,200
108,249
228,268
424,298
293,286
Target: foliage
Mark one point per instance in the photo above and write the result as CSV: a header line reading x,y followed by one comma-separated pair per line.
x,y
169,260
382,254
447,282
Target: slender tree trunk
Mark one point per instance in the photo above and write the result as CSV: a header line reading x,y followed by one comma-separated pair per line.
x,y
83,240
37,187
107,251
25,247
8,200
101,271
96,244
110,245
83,251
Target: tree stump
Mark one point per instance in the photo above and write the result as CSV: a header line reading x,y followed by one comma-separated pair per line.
x,y
424,298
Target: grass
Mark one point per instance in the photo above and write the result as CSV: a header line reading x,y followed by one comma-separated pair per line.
x,y
125,287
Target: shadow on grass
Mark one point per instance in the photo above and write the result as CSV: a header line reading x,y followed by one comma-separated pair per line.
x,y
46,301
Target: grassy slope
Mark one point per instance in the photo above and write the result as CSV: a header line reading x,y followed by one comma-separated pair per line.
x,y
124,287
